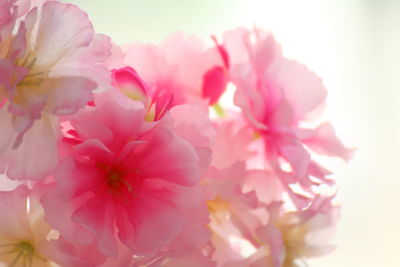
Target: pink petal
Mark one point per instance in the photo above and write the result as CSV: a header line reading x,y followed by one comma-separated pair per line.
x,y
5,11
68,95
23,162
196,259
119,119
62,29
324,141
96,150
92,129
176,160
88,62
127,80
74,179
214,83
281,118
14,223
62,222
65,254
231,144
100,219
192,124
296,80
296,155
158,223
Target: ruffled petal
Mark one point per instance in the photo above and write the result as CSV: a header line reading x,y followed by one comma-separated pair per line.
x,y
99,218
176,160
67,94
23,162
323,140
62,29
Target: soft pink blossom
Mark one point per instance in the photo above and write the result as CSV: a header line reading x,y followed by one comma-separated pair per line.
x,y
125,177
27,240
294,236
181,66
49,67
234,214
276,95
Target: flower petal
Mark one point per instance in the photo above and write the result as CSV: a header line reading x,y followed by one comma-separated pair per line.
x,y
68,94
176,160
99,218
14,223
62,29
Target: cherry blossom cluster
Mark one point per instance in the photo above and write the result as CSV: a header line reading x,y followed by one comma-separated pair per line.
x,y
136,155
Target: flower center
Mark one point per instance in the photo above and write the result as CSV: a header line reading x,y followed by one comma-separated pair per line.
x,y
31,81
219,210
24,253
33,78
217,204
115,181
294,236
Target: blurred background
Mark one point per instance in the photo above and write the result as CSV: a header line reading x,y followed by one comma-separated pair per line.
x,y
354,45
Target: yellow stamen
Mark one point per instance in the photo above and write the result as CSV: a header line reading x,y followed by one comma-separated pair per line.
x,y
24,253
219,110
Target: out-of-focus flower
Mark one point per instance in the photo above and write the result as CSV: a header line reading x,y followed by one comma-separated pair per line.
x,y
233,213
180,66
276,95
290,237
27,240
50,61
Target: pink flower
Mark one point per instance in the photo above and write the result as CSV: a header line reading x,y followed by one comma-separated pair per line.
x,y
27,240
49,67
180,66
125,177
235,215
276,95
296,235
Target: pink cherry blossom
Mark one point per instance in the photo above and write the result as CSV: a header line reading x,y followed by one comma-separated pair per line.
x,y
125,177
276,95
50,67
293,236
181,66
234,214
